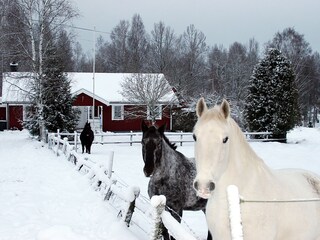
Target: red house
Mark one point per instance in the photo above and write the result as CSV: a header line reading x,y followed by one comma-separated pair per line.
x,y
99,91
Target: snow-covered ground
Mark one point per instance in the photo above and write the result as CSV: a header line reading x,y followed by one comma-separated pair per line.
x,y
43,197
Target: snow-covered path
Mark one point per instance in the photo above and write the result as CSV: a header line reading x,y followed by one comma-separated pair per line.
x,y
43,198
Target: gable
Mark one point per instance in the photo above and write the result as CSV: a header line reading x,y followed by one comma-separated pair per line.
x,y
89,96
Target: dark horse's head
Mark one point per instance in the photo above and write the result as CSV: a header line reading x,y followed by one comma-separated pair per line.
x,y
152,146
87,126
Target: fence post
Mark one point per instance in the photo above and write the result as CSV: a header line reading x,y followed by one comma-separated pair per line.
x,y
109,191
110,164
158,203
131,136
49,143
58,142
136,192
234,213
181,136
65,142
75,141
57,139
46,136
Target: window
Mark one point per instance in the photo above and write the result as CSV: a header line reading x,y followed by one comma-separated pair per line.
x,y
117,112
157,113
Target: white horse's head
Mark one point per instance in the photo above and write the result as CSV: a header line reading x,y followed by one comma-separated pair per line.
x,y
211,135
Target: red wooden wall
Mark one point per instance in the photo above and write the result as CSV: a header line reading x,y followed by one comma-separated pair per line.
x,y
16,116
116,125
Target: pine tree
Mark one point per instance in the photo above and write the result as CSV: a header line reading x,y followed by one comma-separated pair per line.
x,y
272,101
57,99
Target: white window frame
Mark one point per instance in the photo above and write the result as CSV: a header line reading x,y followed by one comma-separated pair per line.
x,y
117,118
159,117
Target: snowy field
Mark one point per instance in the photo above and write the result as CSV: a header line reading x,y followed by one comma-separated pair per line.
x,y
43,197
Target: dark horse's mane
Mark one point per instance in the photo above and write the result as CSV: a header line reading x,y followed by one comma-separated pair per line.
x,y
154,129
172,145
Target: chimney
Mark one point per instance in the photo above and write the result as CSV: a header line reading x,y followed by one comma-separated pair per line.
x,y
13,66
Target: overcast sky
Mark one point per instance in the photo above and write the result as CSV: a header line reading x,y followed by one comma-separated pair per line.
x,y
222,21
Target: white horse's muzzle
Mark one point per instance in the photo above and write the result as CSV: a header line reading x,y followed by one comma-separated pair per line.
x,y
204,190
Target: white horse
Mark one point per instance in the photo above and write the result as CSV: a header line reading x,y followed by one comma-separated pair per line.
x,y
224,157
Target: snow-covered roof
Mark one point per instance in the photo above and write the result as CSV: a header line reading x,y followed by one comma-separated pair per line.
x,y
16,87
107,86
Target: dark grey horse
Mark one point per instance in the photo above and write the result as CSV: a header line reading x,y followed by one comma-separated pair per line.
x,y
171,173
86,138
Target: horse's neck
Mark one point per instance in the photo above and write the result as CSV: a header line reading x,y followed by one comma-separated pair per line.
x,y
242,157
240,143
169,157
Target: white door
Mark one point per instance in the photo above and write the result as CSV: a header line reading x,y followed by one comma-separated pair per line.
x,y
83,117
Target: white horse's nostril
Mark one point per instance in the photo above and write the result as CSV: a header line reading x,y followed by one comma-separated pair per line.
x,y
212,186
196,185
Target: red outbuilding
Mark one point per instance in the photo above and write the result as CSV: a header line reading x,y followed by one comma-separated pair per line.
x,y
99,91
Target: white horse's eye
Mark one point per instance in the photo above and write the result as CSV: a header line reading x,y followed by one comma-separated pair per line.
x,y
225,140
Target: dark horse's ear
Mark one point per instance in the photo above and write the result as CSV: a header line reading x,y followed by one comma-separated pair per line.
x,y
144,126
162,128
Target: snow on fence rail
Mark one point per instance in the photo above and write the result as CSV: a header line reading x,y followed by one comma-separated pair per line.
x,y
99,174
135,137
101,178
160,216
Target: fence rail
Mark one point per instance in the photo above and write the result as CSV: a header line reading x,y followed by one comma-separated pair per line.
x,y
234,204
135,137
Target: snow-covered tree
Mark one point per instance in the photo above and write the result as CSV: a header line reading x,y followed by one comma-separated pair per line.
x,y
272,101
57,111
295,48
57,98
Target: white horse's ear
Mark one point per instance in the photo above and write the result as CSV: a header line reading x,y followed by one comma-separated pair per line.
x,y
201,107
225,108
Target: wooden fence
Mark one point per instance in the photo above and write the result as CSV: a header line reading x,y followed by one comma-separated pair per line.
x,y
102,180
135,137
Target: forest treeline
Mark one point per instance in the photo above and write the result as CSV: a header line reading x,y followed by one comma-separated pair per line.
x,y
192,67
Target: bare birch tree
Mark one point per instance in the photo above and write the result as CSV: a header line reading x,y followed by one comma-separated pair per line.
x,y
138,45
41,22
193,50
150,90
162,48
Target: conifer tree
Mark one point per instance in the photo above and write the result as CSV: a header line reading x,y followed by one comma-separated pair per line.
x,y
57,99
272,101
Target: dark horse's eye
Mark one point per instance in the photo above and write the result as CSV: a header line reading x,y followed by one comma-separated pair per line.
x,y
194,137
225,140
